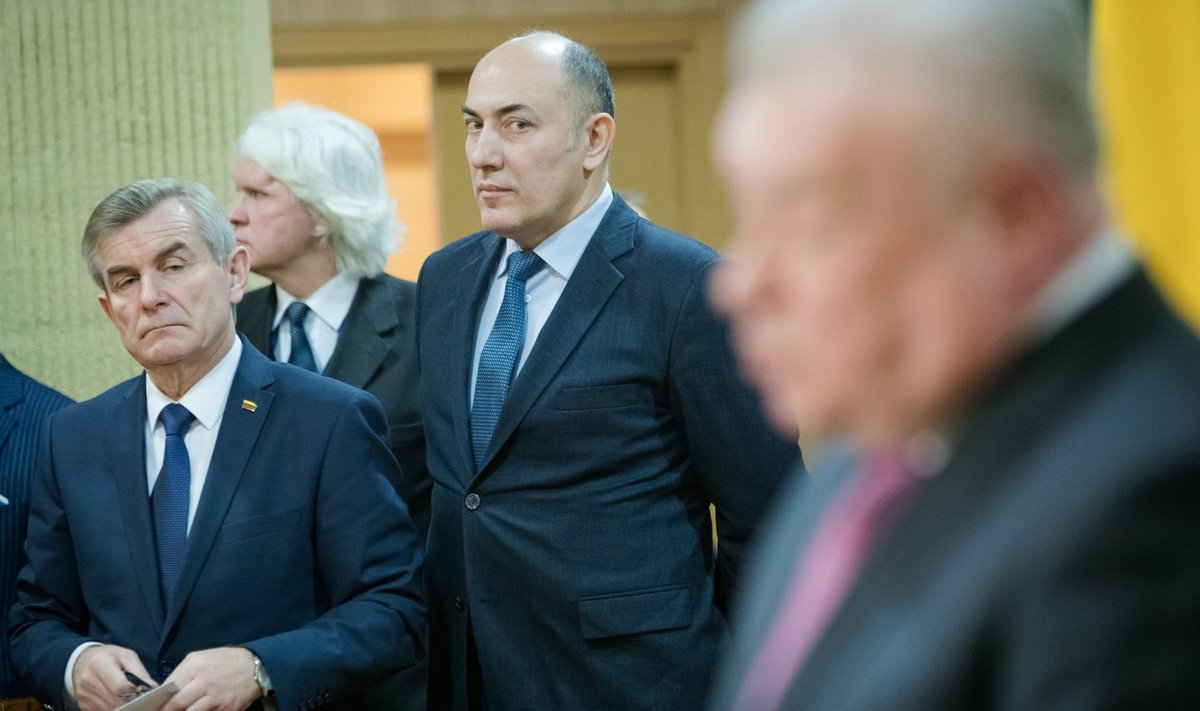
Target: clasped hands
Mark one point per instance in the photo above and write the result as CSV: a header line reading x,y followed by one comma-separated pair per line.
x,y
219,679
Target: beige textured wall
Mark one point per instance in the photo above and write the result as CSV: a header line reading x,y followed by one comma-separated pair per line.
x,y
95,94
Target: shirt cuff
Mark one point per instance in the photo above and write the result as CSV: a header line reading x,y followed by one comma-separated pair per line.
x,y
69,675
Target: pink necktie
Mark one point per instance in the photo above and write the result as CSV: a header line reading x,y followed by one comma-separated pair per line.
x,y
823,576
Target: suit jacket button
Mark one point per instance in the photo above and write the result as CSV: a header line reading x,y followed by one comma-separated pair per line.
x,y
472,501
458,604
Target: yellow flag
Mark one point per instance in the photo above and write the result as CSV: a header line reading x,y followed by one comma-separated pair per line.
x,y
1146,62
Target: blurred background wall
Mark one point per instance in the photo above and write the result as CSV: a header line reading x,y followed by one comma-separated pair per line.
x,y
95,94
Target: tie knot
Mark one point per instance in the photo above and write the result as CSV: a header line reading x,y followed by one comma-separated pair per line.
x,y
175,418
522,265
297,312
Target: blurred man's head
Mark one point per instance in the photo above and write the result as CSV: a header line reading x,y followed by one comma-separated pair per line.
x,y
311,188
907,176
171,272
539,128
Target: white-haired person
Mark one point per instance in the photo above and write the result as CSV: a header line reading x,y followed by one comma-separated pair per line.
x,y
924,268
314,212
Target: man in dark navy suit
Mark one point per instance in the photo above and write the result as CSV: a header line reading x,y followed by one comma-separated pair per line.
x,y
223,522
24,406
583,411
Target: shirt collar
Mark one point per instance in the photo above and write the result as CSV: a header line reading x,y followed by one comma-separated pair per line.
x,y
562,250
206,399
1094,272
331,303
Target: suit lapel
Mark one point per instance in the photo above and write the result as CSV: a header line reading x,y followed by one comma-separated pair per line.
x,y
240,428
127,465
479,270
587,292
361,348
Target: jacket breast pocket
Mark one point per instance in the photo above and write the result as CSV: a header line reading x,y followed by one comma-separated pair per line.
x,y
637,612
596,397
261,525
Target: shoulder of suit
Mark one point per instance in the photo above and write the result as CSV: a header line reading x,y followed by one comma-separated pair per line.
x,y
96,411
394,286
458,247
17,388
667,251
257,299
287,379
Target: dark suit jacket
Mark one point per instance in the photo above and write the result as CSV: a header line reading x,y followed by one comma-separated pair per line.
x,y
1052,564
24,406
580,555
300,549
377,352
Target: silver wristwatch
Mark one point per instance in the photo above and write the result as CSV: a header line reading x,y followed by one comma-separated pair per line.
x,y
260,676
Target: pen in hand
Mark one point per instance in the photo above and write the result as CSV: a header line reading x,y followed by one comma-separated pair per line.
x,y
142,685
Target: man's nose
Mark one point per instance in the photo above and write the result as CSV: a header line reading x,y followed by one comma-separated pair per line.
x,y
151,292
483,150
237,213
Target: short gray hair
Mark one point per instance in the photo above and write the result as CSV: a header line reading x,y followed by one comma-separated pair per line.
x,y
586,80
1010,69
132,202
334,166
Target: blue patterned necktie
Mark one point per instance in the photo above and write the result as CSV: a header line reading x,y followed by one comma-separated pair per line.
x,y
301,354
170,498
498,359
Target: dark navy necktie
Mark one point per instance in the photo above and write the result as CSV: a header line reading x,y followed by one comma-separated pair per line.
x,y
498,359
301,354
170,498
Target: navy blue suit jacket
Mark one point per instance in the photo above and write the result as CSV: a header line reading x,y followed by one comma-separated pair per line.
x,y
24,406
1052,563
300,549
579,558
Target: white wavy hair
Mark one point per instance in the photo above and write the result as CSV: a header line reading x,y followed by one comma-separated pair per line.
x,y
334,166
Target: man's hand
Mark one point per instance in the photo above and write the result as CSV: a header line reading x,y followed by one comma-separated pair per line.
x,y
99,676
220,679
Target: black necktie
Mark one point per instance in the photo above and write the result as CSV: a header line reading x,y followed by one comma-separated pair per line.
x,y
301,354
169,501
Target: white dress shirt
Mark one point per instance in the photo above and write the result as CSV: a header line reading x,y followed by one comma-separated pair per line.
x,y
328,307
206,401
561,252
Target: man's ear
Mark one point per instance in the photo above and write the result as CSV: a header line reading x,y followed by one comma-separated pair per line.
x,y
239,274
107,307
601,128
1030,203
320,229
